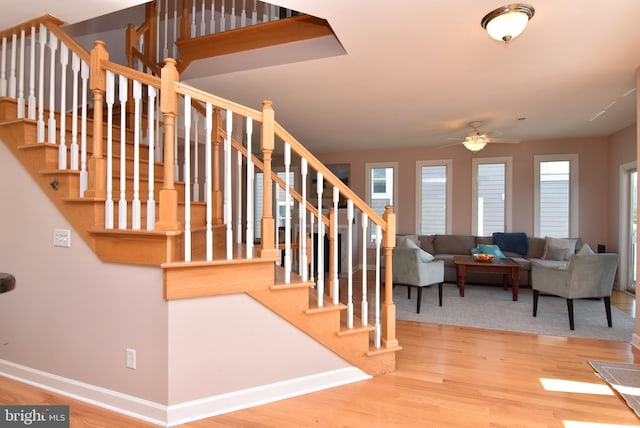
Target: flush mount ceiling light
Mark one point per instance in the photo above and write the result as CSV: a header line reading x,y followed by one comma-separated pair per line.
x,y
474,142
507,22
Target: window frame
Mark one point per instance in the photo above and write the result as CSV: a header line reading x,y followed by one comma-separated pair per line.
x,y
448,164
508,184
374,165
574,189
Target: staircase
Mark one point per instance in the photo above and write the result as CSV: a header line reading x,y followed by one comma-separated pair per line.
x,y
76,147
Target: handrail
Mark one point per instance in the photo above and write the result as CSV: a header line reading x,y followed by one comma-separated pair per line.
x,y
25,26
184,89
274,176
71,43
328,175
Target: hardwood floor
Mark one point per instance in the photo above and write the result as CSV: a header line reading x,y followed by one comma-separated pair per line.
x,y
446,376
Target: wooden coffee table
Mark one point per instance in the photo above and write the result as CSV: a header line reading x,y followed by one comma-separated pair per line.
x,y
505,266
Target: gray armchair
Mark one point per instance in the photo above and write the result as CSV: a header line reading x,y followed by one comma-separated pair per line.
x,y
411,270
585,276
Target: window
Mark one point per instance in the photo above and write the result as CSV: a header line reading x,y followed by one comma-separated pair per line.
x,y
382,189
556,195
491,195
279,196
434,197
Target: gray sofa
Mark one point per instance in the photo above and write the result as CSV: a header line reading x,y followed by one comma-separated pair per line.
x,y
445,247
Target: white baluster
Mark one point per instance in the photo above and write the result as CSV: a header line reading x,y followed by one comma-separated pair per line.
x,y
165,50
238,195
336,282
135,204
208,178
151,202
187,178
196,184
203,22
40,126
3,69
232,17
122,203
287,214
350,264
193,19
176,169
212,24
227,187
84,174
312,248
75,149
62,148
21,79
109,98
158,13
378,329
265,12
364,304
243,15
31,100
51,124
12,70
320,243
302,238
250,177
254,13
174,47
223,18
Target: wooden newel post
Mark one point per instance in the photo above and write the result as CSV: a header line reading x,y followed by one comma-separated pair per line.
x,y
388,307
216,192
168,200
331,238
97,167
267,241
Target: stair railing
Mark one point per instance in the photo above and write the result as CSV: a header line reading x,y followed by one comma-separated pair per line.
x,y
158,100
48,73
168,21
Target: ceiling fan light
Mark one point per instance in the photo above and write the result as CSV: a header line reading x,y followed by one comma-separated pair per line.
x,y
507,22
474,144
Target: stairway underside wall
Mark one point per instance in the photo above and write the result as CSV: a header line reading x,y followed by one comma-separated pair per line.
x,y
72,315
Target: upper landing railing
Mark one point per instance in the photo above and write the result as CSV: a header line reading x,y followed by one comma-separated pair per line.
x,y
170,21
165,157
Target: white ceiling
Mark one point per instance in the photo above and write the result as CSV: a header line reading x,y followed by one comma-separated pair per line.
x,y
416,72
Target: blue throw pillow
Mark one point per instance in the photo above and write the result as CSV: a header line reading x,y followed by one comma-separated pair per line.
x,y
494,250
515,242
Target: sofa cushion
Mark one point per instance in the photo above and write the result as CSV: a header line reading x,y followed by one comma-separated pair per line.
x,y
426,243
568,243
515,242
536,247
487,240
454,244
401,238
552,252
585,249
494,250
422,254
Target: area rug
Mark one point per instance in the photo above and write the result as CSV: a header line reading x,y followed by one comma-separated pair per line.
x,y
624,378
491,307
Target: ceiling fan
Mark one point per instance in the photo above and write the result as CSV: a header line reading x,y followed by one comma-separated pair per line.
x,y
477,140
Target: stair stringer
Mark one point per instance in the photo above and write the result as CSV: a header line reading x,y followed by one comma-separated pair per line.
x,y
291,302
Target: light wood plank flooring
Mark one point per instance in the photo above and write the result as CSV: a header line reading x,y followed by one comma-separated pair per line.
x,y
446,377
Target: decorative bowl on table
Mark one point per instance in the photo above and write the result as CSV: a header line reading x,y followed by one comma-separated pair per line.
x,y
487,258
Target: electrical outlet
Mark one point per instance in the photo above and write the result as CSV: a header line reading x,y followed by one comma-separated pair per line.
x,y
131,358
62,238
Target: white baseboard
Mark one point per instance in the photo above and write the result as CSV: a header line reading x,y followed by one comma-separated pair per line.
x,y
225,403
635,340
177,414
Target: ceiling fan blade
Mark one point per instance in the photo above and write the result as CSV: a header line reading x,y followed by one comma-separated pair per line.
x,y
503,140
